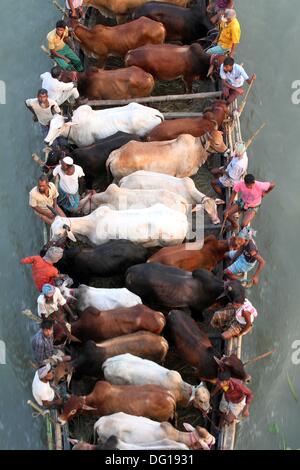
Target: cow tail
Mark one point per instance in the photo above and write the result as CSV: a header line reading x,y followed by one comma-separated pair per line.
x,y
109,175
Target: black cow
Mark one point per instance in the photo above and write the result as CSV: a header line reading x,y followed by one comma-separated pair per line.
x,y
170,287
111,258
93,157
182,24
194,346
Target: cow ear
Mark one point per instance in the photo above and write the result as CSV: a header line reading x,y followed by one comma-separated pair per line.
x,y
188,427
71,236
88,408
218,361
219,202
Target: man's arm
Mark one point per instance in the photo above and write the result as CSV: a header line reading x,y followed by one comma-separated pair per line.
x,y
72,8
252,79
35,118
247,316
57,208
82,185
69,311
54,53
233,49
260,268
41,211
28,260
272,186
231,201
53,404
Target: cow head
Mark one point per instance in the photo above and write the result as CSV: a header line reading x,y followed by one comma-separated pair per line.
x,y
216,60
234,291
62,334
111,443
216,142
235,366
200,437
63,371
72,407
60,229
202,398
58,127
211,208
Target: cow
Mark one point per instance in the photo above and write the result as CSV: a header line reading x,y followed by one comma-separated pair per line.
x,y
195,347
121,7
170,287
169,62
89,126
184,187
88,358
99,325
191,256
121,199
137,430
110,259
132,370
118,84
92,158
155,226
212,118
184,25
114,443
99,298
180,157
151,401
102,41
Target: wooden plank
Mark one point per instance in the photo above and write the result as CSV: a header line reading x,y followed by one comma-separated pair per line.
x,y
156,99
181,115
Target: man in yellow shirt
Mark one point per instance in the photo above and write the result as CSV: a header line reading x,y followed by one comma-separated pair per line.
x,y
229,36
59,46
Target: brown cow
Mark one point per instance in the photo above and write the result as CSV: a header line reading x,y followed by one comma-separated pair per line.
x,y
99,325
91,355
151,401
212,117
191,256
195,347
103,41
120,7
127,83
169,62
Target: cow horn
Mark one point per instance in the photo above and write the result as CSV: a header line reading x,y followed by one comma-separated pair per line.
x,y
69,378
54,212
218,361
73,441
216,126
88,408
72,337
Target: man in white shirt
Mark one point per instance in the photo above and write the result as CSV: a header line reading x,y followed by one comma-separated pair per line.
x,y
51,304
43,109
233,173
74,8
57,90
233,78
71,185
42,391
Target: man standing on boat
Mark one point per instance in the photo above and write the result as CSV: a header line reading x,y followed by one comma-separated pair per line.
x,y
233,78
57,90
229,35
42,391
217,9
52,305
42,342
43,271
228,176
59,46
251,193
43,195
74,9
236,399
245,258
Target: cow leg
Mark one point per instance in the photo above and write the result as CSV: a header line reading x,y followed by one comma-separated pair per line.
x,y
188,84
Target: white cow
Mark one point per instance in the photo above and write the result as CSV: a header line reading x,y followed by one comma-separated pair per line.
x,y
123,198
140,430
102,299
155,226
89,126
114,443
184,187
127,369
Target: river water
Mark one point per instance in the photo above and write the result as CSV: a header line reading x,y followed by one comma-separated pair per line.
x,y
268,37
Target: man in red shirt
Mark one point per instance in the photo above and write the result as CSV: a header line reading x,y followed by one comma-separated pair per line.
x,y
236,400
43,271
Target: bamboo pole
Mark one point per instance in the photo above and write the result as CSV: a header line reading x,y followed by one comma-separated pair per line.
x,y
242,107
251,140
59,7
156,99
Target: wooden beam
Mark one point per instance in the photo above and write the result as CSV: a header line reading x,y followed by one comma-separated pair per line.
x,y
156,99
181,115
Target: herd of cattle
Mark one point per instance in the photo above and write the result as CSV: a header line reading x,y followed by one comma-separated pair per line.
x,y
117,338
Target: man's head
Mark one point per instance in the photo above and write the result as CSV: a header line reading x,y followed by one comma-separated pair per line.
x,y
224,377
43,184
240,149
60,28
228,64
56,72
47,328
48,290
249,181
67,163
42,96
45,373
229,15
